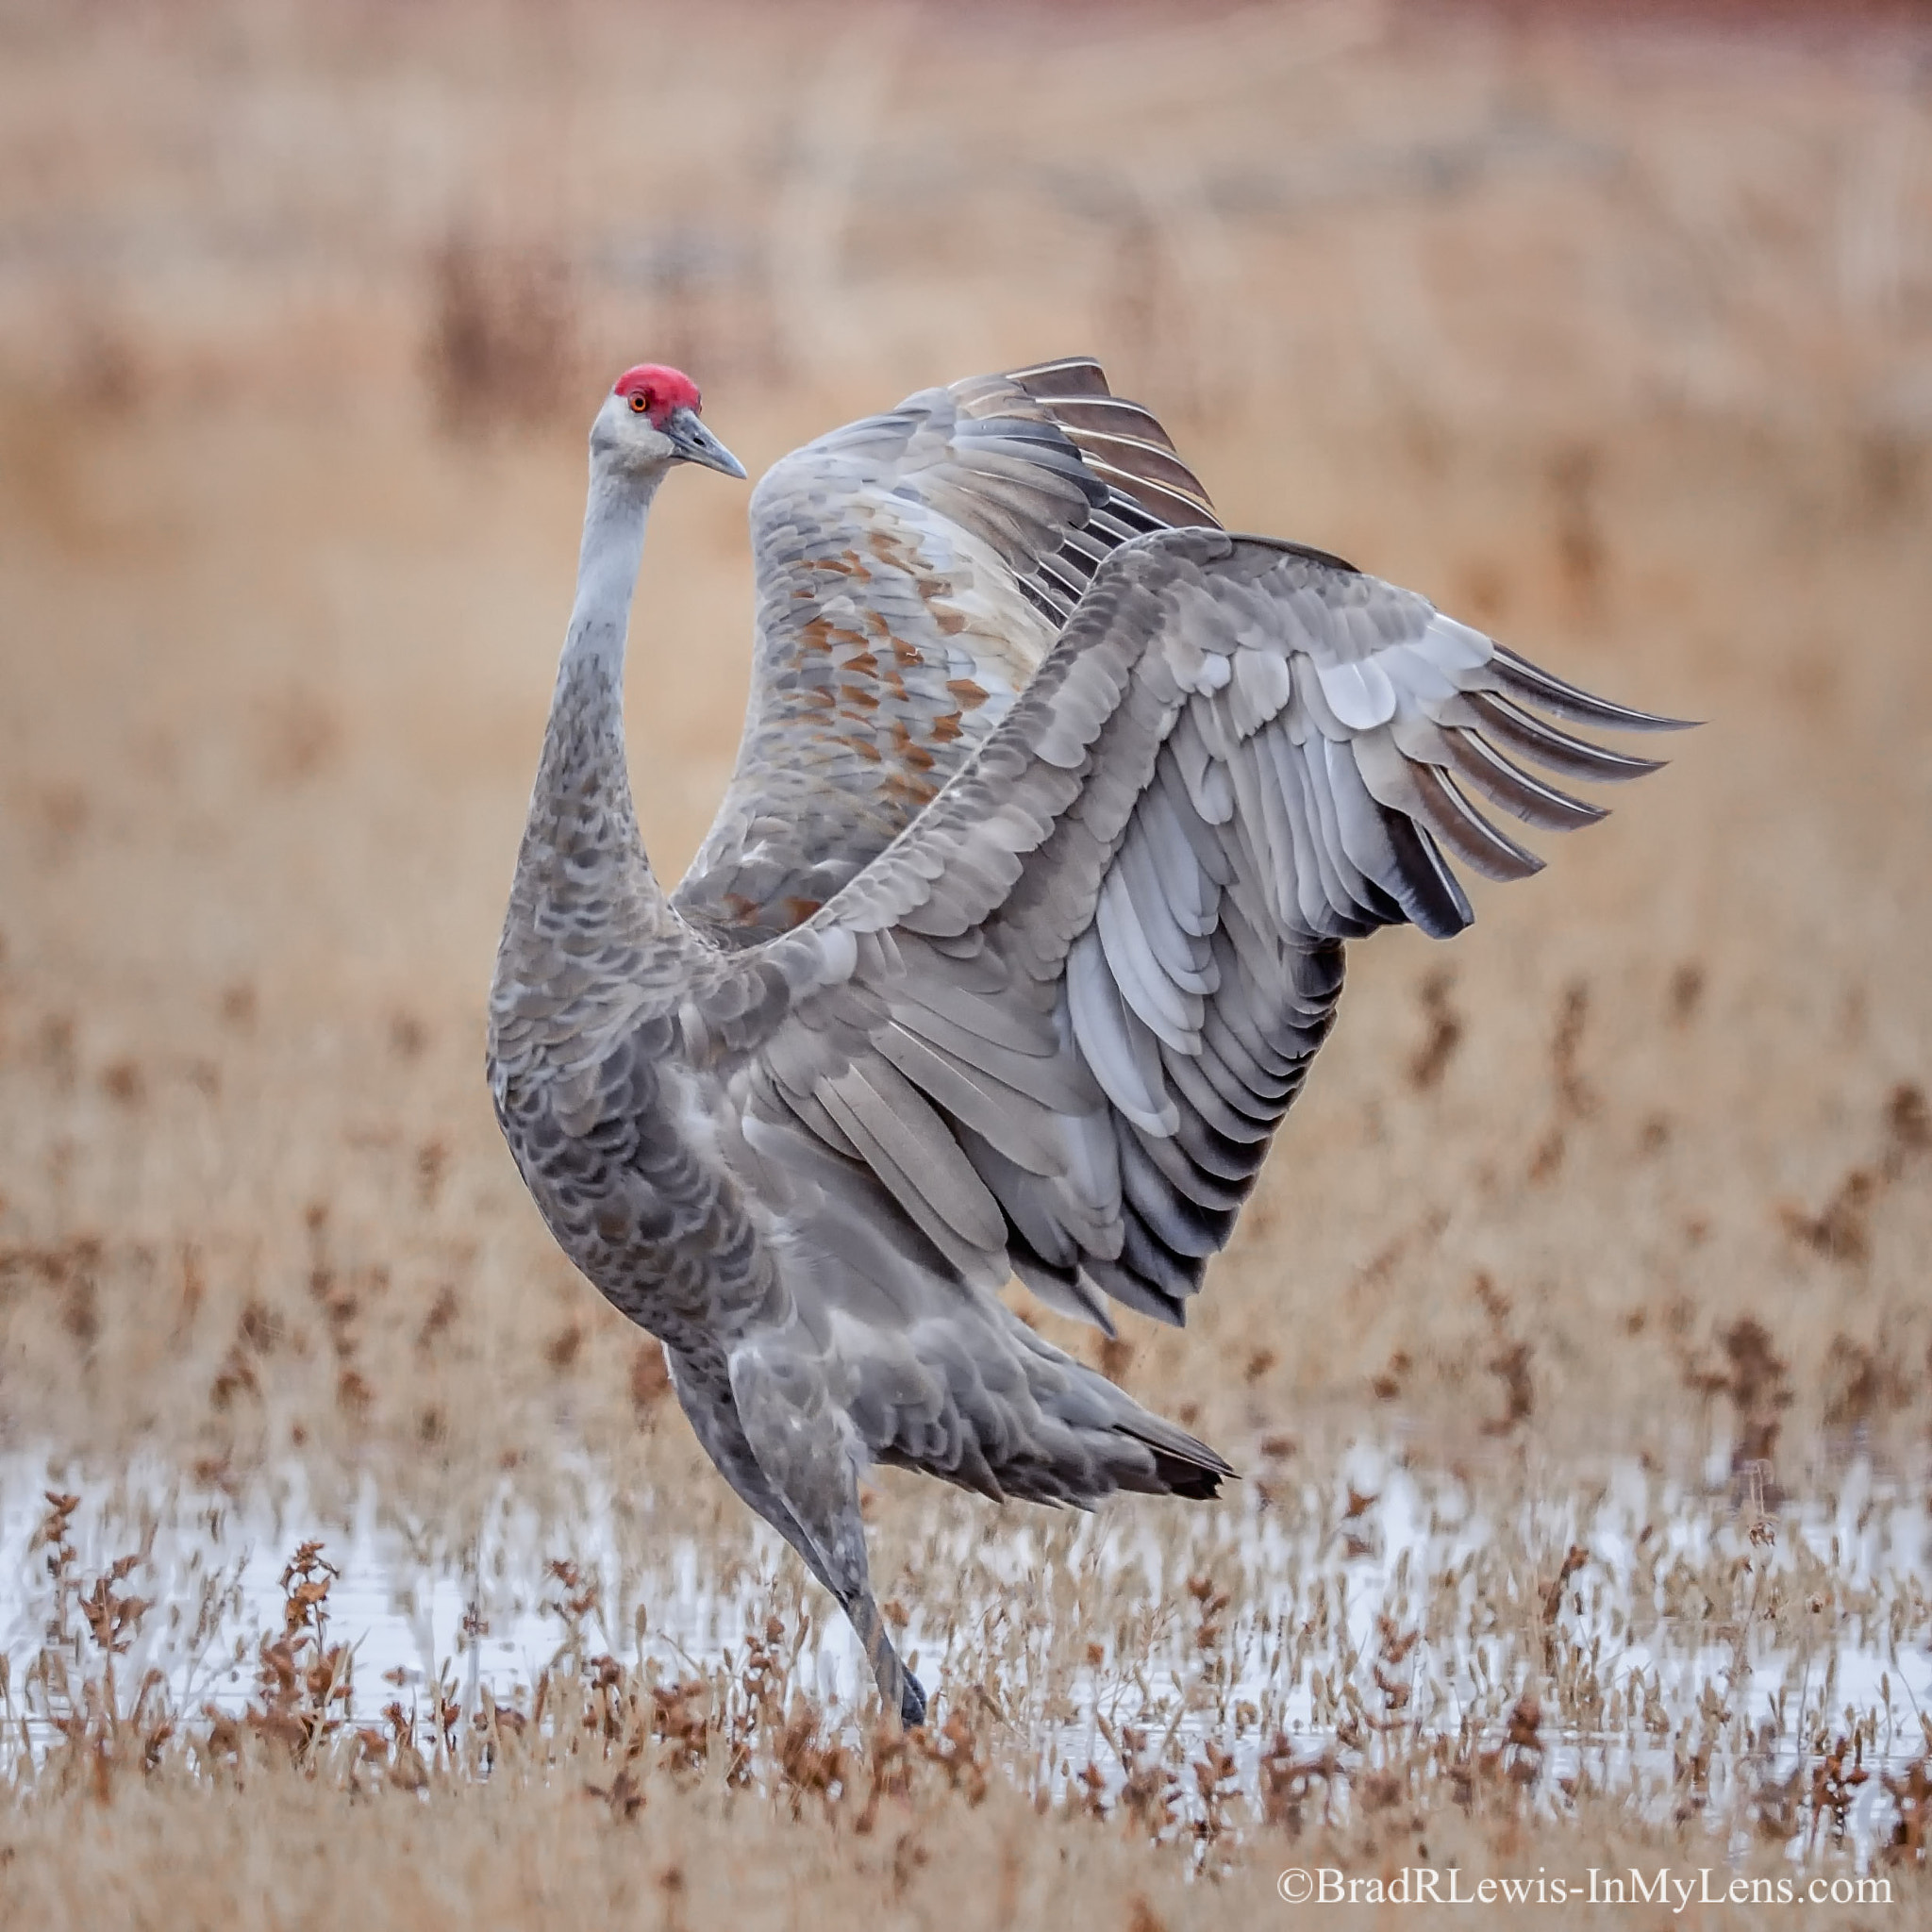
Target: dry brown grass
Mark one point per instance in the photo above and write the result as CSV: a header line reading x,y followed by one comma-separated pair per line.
x,y
1618,342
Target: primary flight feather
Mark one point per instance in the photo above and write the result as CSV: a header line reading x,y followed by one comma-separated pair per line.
x,y
1018,928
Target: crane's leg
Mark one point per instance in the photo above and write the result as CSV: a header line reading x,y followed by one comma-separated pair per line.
x,y
785,1454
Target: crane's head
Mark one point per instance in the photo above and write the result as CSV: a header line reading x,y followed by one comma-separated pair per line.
x,y
650,421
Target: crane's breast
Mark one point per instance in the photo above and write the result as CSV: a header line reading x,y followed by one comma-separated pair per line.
x,y
618,1149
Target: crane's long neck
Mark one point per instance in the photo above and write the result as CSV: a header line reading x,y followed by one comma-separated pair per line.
x,y
582,855
608,560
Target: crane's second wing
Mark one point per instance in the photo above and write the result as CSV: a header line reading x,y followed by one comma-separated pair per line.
x,y
913,570
1056,1024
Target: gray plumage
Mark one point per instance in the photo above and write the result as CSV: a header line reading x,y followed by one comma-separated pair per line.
x,y
1013,940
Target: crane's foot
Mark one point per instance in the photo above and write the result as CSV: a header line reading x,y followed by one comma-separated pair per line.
x,y
911,1700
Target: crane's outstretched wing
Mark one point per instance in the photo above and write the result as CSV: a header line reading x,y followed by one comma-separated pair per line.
x,y
1052,1028
913,570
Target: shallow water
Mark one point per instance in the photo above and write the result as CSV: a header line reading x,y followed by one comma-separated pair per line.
x,y
1831,1634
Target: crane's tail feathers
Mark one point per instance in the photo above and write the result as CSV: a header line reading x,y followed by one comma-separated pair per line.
x,y
1129,1447
1182,1466
983,1401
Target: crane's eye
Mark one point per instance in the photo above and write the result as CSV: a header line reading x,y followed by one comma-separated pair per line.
x,y
640,403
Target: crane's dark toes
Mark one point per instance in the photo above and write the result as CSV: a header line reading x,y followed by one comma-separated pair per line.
x,y
911,1700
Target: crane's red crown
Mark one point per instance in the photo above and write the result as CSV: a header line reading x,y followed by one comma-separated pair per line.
x,y
654,390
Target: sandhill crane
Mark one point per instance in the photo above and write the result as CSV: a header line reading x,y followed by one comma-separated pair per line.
x,y
1019,926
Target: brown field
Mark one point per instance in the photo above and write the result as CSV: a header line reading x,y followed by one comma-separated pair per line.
x,y
1615,338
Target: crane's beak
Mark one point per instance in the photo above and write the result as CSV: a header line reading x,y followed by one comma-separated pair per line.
x,y
694,443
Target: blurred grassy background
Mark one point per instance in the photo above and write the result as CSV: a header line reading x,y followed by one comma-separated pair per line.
x,y
1611,333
